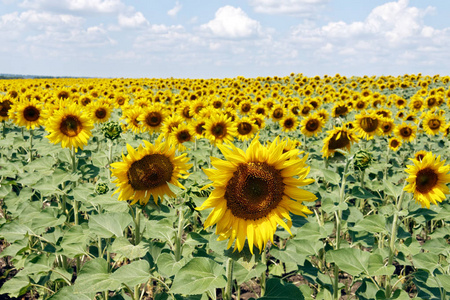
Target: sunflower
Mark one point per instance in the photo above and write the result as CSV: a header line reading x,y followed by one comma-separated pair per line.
x,y
433,123
121,100
387,126
419,155
246,129
170,123
254,191
367,125
199,128
181,134
428,180
278,112
289,123
28,113
220,129
5,106
131,116
261,109
152,117
406,132
100,111
245,107
394,144
339,109
311,125
338,138
146,172
70,126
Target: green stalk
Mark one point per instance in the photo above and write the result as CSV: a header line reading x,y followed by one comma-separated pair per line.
x,y
137,226
338,216
263,274
3,129
392,240
31,146
110,158
387,162
229,286
179,235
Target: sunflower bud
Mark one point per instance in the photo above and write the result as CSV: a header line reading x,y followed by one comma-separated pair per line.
x,y
111,130
363,160
101,188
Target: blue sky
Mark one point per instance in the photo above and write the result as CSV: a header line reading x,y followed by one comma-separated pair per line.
x,y
218,38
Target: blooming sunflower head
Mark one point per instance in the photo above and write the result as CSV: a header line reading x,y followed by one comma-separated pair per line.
x,y
428,180
147,171
254,191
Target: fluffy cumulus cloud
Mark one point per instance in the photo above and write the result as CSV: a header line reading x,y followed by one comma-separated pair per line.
x,y
288,7
232,22
132,21
393,33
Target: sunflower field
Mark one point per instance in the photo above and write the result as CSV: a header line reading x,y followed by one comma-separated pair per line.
x,y
290,187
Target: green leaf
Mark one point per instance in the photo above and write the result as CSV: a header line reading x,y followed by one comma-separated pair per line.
x,y
331,177
372,223
109,224
311,232
198,276
437,246
377,266
159,229
426,261
243,274
132,274
167,265
361,193
16,286
351,260
47,218
68,293
330,205
94,277
13,231
123,247
38,263
392,190
277,289
74,241
289,254
444,280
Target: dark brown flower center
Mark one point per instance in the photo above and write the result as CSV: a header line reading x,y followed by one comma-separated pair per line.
x,y
369,124
288,123
386,127
219,130
340,110
5,106
153,119
244,128
278,113
217,104
186,113
149,172
70,126
254,190
360,104
246,107
63,95
426,180
100,113
339,140
405,132
199,128
31,113
394,143
434,124
312,125
183,136
260,111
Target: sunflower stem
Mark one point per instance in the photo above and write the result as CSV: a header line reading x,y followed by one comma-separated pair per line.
x,y
393,237
263,274
387,162
110,158
31,145
137,226
3,129
179,235
229,286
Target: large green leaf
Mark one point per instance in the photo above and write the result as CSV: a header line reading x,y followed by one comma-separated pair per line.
x,y
123,247
244,271
16,286
278,289
198,276
168,266
289,254
377,267
350,260
331,176
372,223
94,277
74,241
68,293
109,224
14,231
132,274
426,261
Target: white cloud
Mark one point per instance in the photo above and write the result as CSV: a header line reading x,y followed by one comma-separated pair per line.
x,y
98,6
132,21
232,22
288,7
174,11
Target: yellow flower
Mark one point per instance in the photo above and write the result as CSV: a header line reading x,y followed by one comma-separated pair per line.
x,y
338,138
406,132
27,113
312,125
220,129
394,144
70,127
254,191
428,180
146,172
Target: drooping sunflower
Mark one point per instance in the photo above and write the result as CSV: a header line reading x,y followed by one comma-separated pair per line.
x,y
146,172
433,123
406,132
367,125
428,179
254,191
339,109
28,113
69,126
220,129
394,144
338,138
311,125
